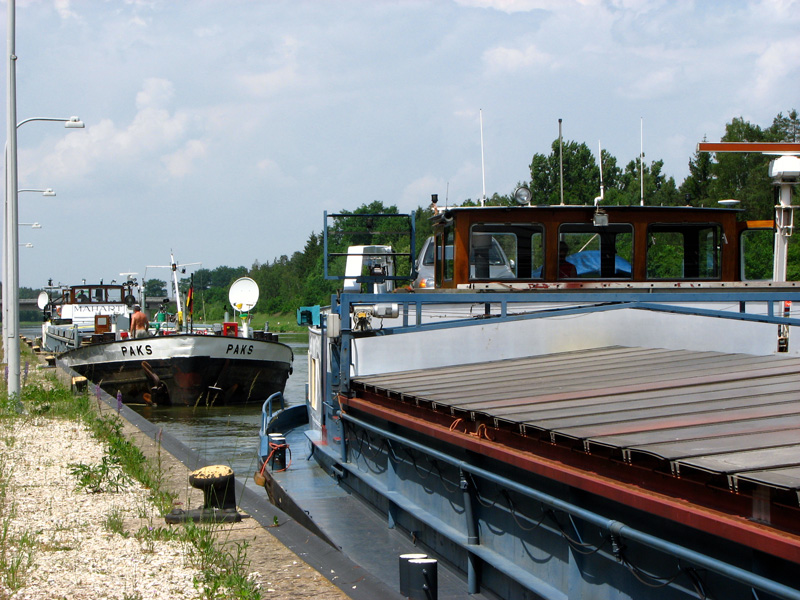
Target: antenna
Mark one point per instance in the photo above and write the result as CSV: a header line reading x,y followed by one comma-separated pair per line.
x,y
641,159
483,165
599,199
561,162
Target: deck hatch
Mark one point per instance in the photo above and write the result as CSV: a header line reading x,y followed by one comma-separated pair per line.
x,y
730,415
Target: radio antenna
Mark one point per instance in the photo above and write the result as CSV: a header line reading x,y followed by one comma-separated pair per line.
x,y
483,165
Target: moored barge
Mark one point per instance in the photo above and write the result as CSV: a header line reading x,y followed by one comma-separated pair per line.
x,y
626,428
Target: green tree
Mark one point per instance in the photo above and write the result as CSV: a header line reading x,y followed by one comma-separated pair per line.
x,y
155,287
785,129
581,175
744,175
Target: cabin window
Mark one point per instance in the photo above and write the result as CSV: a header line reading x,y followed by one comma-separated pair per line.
x,y
588,251
506,251
81,295
684,251
449,240
758,250
444,247
114,294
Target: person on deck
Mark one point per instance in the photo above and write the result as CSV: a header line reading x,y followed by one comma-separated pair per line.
x,y
139,323
566,269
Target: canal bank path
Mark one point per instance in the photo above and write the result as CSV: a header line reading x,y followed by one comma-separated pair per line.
x,y
96,545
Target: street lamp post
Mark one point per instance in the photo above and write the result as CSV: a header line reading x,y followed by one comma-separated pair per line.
x,y
44,192
12,239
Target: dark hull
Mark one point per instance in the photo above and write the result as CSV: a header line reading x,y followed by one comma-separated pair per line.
x,y
179,370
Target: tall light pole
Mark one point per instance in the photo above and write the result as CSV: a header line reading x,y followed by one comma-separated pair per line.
x,y
12,282
12,238
44,192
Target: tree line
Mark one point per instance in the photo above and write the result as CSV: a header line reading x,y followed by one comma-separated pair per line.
x,y
290,281
297,280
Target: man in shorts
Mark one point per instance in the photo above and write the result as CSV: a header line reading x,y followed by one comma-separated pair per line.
x,y
139,323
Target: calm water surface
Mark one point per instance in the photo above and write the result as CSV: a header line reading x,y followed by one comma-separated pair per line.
x,y
228,435
225,435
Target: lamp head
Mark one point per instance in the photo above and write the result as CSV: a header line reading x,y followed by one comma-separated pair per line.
x,y
74,123
522,196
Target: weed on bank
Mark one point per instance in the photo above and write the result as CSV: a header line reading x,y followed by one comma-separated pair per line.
x,y
223,571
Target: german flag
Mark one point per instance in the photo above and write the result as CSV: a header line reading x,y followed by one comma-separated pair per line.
x,y
190,300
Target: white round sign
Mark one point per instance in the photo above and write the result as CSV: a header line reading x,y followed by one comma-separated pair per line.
x,y
243,294
43,300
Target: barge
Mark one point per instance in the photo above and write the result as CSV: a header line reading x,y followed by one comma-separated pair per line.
x,y
604,432
175,364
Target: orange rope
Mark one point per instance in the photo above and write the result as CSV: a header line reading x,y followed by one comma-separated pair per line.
x,y
273,448
455,424
481,432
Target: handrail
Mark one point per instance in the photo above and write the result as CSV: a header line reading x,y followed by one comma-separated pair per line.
x,y
612,526
266,411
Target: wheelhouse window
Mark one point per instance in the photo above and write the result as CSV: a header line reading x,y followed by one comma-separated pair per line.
x,y
684,251
444,247
506,251
588,251
757,254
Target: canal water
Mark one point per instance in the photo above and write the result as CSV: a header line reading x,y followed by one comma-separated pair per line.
x,y
228,435
225,435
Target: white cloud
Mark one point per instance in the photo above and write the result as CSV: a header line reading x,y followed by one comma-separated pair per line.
x,y
154,133
64,10
515,59
516,6
777,65
272,172
180,163
282,74
156,93
652,85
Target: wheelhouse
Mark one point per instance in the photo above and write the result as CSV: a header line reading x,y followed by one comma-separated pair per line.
x,y
97,294
577,246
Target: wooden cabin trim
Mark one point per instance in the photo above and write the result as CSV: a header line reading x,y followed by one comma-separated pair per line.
x,y
554,218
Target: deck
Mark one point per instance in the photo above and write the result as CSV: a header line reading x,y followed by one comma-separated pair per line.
x,y
702,437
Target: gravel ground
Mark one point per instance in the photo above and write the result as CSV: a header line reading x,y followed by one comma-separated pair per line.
x,y
76,556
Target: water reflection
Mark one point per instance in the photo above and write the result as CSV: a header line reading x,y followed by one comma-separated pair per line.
x,y
228,435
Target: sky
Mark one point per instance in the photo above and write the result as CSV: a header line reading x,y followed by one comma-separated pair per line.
x,y
221,130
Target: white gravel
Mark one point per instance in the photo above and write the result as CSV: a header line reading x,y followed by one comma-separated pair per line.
x,y
75,555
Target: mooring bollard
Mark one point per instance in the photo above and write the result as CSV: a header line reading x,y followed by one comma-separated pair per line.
x,y
277,451
403,563
423,579
219,497
217,483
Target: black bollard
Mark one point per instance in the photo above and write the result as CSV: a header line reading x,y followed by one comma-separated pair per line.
x,y
423,581
219,497
404,558
277,451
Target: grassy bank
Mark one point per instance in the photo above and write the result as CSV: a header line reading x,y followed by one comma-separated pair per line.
x,y
222,569
279,323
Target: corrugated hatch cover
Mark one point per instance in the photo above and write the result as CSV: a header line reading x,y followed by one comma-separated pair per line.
x,y
735,415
